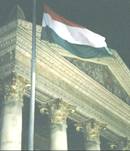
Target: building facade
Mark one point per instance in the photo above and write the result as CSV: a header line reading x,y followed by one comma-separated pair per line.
x,y
89,98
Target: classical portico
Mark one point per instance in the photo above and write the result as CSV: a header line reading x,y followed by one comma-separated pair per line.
x,y
93,93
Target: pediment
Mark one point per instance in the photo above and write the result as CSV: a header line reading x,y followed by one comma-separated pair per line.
x,y
103,75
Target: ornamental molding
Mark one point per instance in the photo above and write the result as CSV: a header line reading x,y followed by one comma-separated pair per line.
x,y
13,89
92,130
58,111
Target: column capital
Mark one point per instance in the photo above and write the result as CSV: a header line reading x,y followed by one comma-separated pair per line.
x,y
13,89
58,111
93,129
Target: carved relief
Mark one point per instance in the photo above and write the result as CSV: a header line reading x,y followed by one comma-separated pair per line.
x,y
103,75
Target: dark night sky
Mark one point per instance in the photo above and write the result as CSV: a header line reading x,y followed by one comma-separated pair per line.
x,y
110,18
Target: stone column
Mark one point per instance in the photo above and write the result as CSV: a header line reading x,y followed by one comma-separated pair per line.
x,y
11,126
59,112
92,131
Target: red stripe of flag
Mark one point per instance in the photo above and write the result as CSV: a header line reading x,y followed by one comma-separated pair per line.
x,y
59,18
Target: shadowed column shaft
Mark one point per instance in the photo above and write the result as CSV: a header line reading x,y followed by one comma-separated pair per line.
x,y
11,129
58,137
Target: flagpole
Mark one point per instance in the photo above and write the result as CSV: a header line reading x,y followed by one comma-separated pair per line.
x,y
33,78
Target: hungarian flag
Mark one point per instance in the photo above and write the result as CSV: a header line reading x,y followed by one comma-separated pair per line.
x,y
72,37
